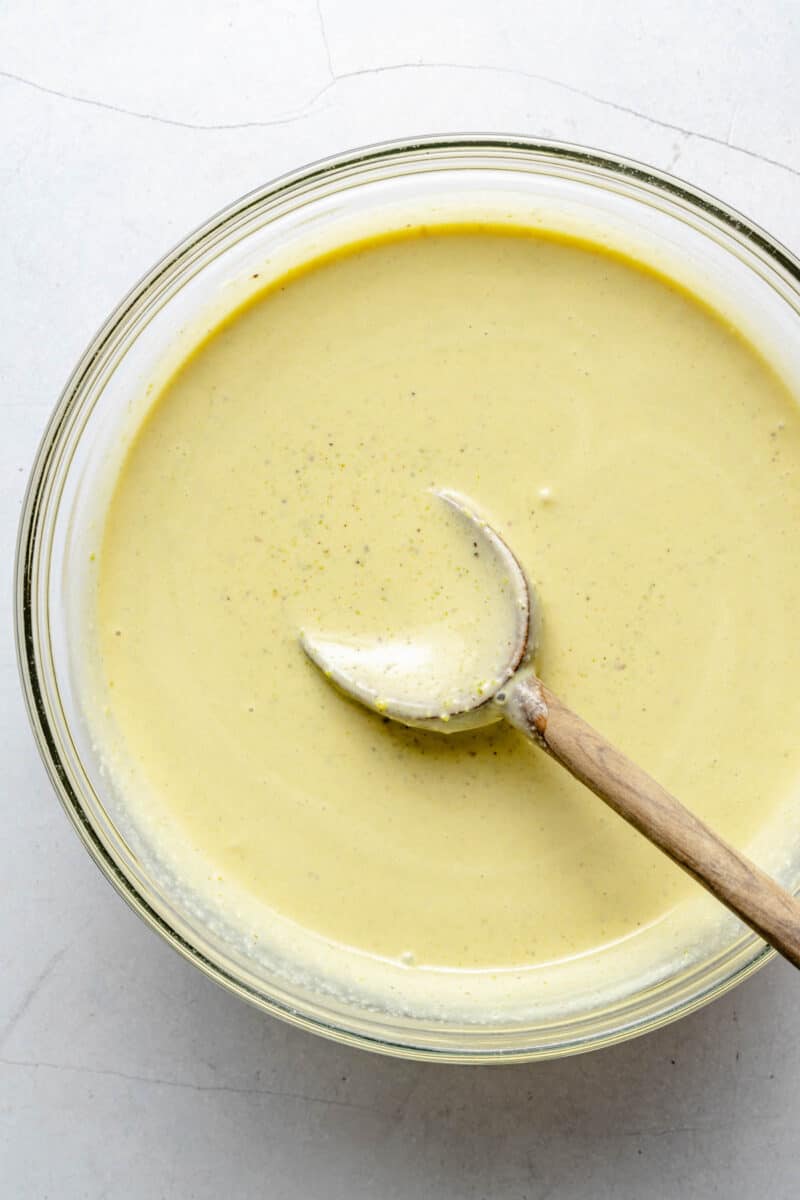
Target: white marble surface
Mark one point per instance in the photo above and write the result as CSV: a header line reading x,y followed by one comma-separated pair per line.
x,y
124,1072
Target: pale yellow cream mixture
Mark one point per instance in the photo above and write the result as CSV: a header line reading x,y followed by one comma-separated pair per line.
x,y
644,463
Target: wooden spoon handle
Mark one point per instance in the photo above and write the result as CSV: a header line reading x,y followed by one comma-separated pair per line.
x,y
770,910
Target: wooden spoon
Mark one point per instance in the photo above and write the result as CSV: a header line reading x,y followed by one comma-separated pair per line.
x,y
374,673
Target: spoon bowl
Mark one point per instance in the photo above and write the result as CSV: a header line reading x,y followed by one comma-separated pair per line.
x,y
430,681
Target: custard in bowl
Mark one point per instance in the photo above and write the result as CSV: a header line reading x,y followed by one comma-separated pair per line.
x,y
608,363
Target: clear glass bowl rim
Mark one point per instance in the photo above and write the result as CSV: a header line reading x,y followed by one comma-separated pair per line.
x,y
701,985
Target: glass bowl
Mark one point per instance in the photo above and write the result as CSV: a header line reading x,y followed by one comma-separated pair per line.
x,y
713,249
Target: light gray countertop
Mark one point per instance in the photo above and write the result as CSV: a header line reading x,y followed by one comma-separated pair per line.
x,y
124,1072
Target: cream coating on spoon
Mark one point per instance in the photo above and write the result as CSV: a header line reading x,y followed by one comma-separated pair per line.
x,y
441,678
